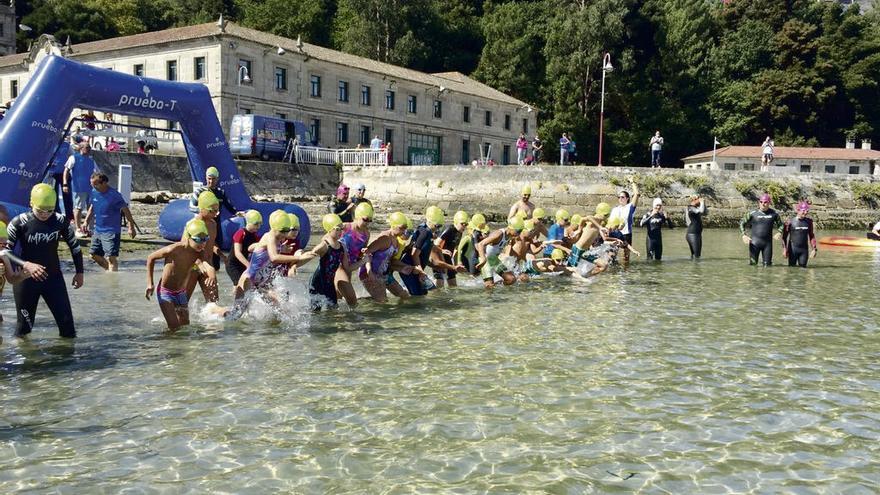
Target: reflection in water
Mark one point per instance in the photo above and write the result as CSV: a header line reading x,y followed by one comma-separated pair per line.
x,y
679,376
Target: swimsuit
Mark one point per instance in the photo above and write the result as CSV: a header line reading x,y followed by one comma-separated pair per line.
x,y
322,291
354,242
493,262
261,272
176,297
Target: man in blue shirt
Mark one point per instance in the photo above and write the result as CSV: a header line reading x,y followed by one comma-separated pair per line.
x,y
107,207
77,175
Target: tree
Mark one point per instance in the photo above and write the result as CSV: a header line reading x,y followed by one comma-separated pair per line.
x,y
289,19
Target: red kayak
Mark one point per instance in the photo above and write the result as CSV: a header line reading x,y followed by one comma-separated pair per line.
x,y
848,241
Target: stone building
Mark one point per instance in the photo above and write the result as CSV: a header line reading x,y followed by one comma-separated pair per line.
x,y
788,160
7,28
344,99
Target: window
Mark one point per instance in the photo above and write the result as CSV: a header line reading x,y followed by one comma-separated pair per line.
x,y
365,95
506,122
424,149
315,129
13,88
748,166
505,155
246,111
343,92
465,113
488,119
805,168
315,91
171,125
487,147
411,104
854,169
389,99
525,127
729,166
171,70
365,135
2,32
438,109
830,169
341,132
138,70
465,151
280,78
247,70
198,68
282,116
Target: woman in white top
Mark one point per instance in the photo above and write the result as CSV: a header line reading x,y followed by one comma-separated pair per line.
x,y
767,154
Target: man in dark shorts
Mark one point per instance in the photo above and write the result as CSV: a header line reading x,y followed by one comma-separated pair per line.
x,y
107,208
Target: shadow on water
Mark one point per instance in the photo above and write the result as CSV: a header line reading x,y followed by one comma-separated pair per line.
x,y
47,431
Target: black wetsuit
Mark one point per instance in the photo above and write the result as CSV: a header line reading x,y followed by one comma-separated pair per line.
x,y
37,242
761,224
693,218
654,241
469,257
422,240
234,267
450,237
798,237
337,206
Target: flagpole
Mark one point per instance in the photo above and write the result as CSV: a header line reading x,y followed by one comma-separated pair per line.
x,y
714,147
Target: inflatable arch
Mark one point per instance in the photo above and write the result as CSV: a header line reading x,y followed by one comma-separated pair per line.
x,y
34,126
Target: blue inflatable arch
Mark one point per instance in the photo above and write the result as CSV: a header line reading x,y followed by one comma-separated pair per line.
x,y
34,126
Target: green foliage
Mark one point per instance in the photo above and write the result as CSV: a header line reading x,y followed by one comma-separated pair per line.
x,y
867,193
615,180
823,190
784,193
653,185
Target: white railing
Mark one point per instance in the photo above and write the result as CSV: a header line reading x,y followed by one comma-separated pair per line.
x,y
330,156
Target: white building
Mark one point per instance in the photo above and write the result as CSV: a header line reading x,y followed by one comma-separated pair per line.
x,y
344,99
789,160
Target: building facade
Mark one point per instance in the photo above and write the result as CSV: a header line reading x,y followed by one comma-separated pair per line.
x,y
791,160
345,100
7,28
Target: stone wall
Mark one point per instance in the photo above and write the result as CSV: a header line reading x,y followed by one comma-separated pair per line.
x,y
839,201
171,173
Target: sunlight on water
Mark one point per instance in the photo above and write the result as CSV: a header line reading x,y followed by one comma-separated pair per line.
x,y
672,377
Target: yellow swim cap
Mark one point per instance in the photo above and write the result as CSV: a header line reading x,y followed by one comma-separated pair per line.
x,y
557,254
43,197
527,190
207,200
460,217
434,216
576,219
364,210
294,221
516,223
539,213
4,232
330,221
521,214
195,228
212,172
478,222
279,220
397,219
253,217
562,215
603,209
529,225
613,222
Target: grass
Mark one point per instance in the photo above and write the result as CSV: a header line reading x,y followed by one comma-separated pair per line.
x,y
867,193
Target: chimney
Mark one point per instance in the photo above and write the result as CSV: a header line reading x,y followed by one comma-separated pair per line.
x,y
866,144
850,143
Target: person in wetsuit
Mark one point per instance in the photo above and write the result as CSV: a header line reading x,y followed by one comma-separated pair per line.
x,y
466,253
34,238
693,218
798,237
653,222
761,223
448,244
332,256
418,253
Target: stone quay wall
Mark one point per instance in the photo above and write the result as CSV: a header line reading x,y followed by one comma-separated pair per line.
x,y
839,201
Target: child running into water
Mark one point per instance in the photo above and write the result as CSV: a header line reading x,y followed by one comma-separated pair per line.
x,y
355,237
243,239
379,255
209,208
490,249
180,259
331,252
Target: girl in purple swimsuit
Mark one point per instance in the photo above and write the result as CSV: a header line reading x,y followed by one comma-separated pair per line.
x,y
380,252
355,237
322,291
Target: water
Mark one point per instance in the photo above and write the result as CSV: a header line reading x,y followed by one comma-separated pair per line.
x,y
682,377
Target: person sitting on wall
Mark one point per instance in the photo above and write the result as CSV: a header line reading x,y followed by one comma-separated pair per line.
x,y
874,234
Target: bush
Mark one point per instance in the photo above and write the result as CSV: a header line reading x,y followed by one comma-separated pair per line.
x,y
653,185
823,190
695,182
867,193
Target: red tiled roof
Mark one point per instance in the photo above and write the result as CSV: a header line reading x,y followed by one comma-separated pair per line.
x,y
788,152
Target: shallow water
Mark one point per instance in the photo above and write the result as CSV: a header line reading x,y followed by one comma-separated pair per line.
x,y
683,377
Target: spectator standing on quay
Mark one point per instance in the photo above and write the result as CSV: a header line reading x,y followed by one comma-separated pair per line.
x,y
767,153
563,149
107,208
537,149
78,172
656,146
572,151
522,146
376,143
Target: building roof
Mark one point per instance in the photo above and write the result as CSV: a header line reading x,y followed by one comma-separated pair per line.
x,y
788,152
453,81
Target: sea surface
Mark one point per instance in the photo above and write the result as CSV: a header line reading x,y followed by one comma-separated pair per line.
x,y
679,376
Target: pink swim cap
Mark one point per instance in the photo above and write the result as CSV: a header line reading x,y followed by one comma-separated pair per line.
x,y
341,190
803,206
765,198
